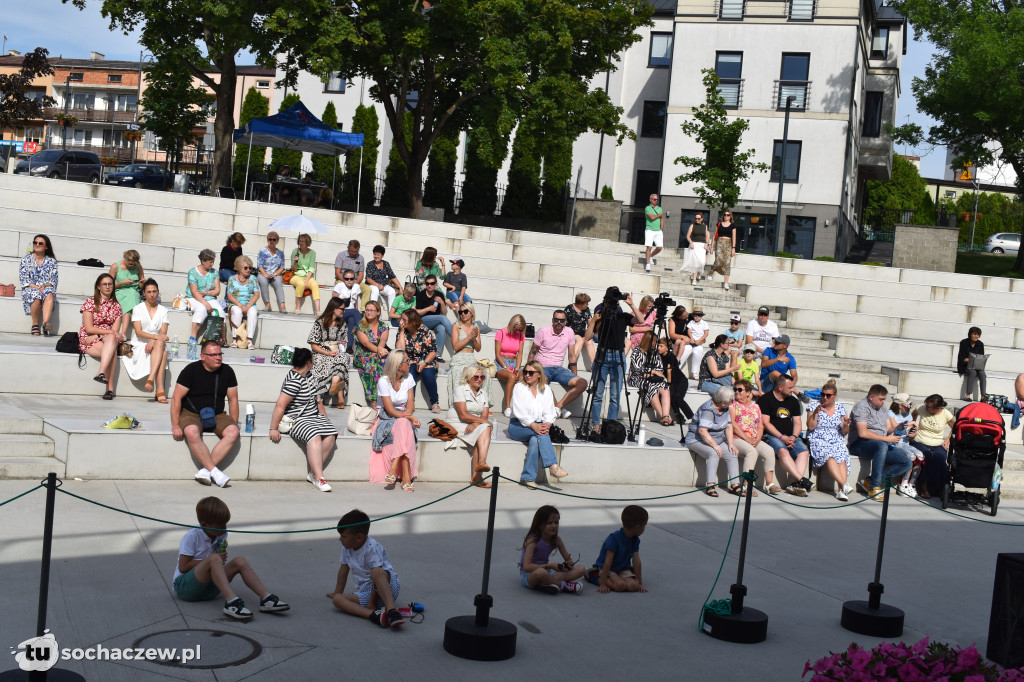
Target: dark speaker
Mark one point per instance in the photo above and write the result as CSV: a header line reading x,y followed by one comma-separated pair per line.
x,y
226,192
1005,625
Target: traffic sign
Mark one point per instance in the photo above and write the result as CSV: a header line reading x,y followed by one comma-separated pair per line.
x,y
31,147
133,126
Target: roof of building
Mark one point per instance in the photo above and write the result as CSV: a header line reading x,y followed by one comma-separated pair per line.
x,y
123,65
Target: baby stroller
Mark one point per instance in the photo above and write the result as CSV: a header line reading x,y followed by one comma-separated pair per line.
x,y
976,446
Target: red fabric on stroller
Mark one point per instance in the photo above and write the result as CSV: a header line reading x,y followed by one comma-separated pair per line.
x,y
980,419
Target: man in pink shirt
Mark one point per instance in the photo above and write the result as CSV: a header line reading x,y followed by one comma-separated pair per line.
x,y
549,347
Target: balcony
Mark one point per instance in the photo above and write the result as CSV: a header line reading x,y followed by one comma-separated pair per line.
x,y
731,90
799,90
91,115
801,10
730,10
874,158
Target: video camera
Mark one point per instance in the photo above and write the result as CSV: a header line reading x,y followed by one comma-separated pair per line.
x,y
662,304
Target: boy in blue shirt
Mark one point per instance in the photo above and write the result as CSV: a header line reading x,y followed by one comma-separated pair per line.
x,y
617,568
373,576
203,570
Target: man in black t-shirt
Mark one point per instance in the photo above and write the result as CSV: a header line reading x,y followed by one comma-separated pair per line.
x,y
432,308
780,412
609,326
206,384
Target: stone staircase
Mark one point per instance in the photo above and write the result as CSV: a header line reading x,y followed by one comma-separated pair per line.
x,y
25,451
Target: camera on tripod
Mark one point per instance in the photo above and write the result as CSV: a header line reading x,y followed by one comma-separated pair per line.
x,y
662,304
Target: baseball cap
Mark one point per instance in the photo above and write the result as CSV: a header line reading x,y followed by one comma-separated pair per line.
x,y
735,318
458,261
782,338
902,399
751,347
763,310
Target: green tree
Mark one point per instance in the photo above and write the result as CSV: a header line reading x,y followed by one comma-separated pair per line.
x,y
522,197
206,35
901,198
439,191
173,106
326,167
16,108
557,172
485,153
606,193
972,86
255,105
396,175
291,157
474,63
716,175
364,121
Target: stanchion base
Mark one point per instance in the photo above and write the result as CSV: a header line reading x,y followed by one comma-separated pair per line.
x,y
52,675
749,626
885,621
465,639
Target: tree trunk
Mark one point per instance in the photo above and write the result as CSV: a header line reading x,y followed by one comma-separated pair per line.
x,y
414,188
224,124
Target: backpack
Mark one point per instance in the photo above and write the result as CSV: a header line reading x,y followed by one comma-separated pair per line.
x,y
612,432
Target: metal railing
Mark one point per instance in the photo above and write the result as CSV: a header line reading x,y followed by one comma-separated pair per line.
x,y
798,90
730,10
802,10
731,90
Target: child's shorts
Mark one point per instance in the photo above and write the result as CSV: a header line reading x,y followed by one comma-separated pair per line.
x,y
594,574
188,588
364,592
524,577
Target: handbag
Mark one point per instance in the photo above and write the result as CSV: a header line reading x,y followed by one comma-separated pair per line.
x,y
361,419
488,366
6,290
976,361
557,435
124,349
182,302
286,423
68,343
286,276
997,401
282,355
441,430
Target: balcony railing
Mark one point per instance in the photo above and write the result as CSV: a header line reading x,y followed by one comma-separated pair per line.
x,y
801,10
798,90
730,10
731,90
91,115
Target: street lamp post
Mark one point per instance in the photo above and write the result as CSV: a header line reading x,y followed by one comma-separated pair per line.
x,y
111,100
138,96
64,123
782,177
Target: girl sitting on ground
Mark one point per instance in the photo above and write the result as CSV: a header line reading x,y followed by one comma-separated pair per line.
x,y
535,570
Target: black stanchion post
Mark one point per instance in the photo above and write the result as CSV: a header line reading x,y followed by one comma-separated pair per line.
x,y
46,671
743,625
480,637
872,617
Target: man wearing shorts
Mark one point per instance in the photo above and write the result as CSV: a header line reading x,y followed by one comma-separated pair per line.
x,y
203,386
780,412
549,347
653,235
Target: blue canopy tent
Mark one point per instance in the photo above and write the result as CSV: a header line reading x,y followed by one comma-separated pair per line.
x,y
296,128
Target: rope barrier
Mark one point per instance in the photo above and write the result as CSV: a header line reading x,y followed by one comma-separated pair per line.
x,y
967,518
22,495
627,499
269,532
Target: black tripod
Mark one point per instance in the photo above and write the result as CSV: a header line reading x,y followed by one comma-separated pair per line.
x,y
649,365
585,429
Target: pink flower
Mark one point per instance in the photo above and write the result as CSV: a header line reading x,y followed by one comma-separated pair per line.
x,y
968,658
974,678
908,672
859,659
807,669
879,670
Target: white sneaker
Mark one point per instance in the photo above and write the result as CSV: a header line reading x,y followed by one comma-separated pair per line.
x,y
508,412
710,277
219,477
726,286
203,477
565,413
322,485
647,267
847,489
841,495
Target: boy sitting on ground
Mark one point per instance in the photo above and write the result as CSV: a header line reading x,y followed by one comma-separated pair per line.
x,y
375,581
617,568
203,570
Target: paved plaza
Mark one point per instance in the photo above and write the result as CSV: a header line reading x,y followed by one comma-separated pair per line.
x,y
110,581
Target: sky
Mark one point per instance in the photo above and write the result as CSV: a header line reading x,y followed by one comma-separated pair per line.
x,y
66,31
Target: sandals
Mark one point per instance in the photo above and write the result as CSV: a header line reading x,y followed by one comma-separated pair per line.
x,y
35,330
711,492
161,397
47,329
390,479
737,489
100,378
478,482
482,468
408,487
667,421
148,388
109,395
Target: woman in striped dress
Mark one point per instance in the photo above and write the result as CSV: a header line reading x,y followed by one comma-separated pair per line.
x,y
300,401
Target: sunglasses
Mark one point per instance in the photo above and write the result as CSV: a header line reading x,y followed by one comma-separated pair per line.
x,y
734,321
558,320
828,395
349,279
38,243
698,314
272,239
478,377
213,355
530,372
463,312
740,390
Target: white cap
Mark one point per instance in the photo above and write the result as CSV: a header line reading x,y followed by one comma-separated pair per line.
x,y
250,409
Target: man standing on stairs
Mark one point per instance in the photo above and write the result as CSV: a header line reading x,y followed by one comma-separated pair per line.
x,y
653,235
197,406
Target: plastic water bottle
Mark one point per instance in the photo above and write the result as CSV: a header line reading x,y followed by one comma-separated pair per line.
x,y
250,418
175,348
641,438
997,477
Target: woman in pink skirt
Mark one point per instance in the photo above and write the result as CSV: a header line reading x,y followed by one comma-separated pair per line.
x,y
393,453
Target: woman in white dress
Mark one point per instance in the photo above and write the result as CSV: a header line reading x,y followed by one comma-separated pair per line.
x,y
149,343
470,414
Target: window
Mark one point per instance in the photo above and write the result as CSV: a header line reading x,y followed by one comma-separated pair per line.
x,y
730,9
661,50
729,67
79,77
793,80
872,126
34,95
792,170
653,122
880,43
83,100
799,237
951,193
801,10
114,78
335,82
755,232
262,85
647,182
83,138
119,139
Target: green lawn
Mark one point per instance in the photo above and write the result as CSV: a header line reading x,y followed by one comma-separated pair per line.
x,y
978,263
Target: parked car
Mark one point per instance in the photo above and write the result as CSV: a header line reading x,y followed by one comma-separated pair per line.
x,y
140,175
57,163
1003,242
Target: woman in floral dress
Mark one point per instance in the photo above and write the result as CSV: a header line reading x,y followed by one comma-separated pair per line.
x,y
101,330
420,345
827,427
371,350
38,276
330,361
